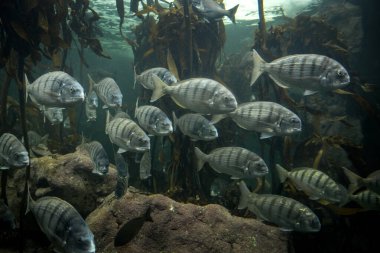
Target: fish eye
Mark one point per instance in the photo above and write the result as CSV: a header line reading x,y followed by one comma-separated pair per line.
x,y
293,120
340,73
72,90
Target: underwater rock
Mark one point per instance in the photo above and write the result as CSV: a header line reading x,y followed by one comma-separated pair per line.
x,y
69,177
178,227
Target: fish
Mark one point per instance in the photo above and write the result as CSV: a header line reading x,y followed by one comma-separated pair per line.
x,y
127,135
54,115
90,112
40,150
372,181
268,118
212,11
12,152
108,91
153,120
218,187
121,165
121,186
316,184
7,218
367,199
54,89
235,161
196,127
131,228
62,224
309,72
146,80
98,156
145,166
287,213
34,138
201,95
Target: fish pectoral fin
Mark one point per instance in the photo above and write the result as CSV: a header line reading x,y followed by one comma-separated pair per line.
x,y
178,103
279,82
54,94
121,150
309,92
286,229
266,135
234,177
4,168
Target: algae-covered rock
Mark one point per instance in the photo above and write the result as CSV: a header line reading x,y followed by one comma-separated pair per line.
x,y
178,227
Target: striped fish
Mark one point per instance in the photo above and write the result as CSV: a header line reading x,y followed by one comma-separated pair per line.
x,y
268,118
121,186
127,135
108,91
196,127
316,184
235,161
98,156
91,105
372,181
286,213
62,224
122,176
12,152
308,72
146,80
55,89
34,138
53,114
90,113
153,120
367,199
145,166
197,94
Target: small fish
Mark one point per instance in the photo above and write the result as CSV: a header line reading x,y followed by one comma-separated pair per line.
x,y
7,218
197,94
53,114
286,213
308,72
108,91
153,120
121,186
218,187
62,224
12,152
235,161
145,166
196,127
90,112
127,135
34,138
367,199
40,150
55,89
98,156
268,118
92,100
129,230
121,165
316,184
372,181
213,11
146,80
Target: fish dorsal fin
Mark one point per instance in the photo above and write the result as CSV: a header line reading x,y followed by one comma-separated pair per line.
x,y
278,82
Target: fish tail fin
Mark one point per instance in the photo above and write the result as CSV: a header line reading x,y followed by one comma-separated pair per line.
x,y
258,66
355,181
244,193
200,158
175,121
218,117
232,12
282,173
159,88
137,105
26,87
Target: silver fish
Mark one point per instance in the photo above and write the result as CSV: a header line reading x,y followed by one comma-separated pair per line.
x,y
55,89
145,78
213,11
286,213
90,112
98,156
268,118
196,127
7,218
127,135
108,91
367,199
145,165
62,224
92,100
153,120
308,72
12,152
372,181
218,187
197,94
54,114
235,161
316,184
